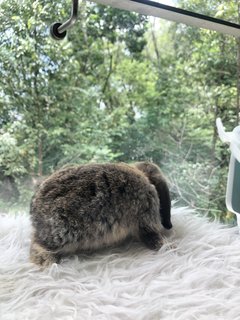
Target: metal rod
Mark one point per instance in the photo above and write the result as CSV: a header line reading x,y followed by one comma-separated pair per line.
x,y
159,10
72,20
58,30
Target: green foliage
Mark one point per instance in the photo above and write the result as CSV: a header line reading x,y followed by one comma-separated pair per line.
x,y
119,88
11,156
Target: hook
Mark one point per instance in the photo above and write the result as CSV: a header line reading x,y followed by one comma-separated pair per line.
x,y
58,30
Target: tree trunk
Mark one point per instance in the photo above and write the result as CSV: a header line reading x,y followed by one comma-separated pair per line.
x,y
39,111
215,133
40,156
157,53
238,72
218,108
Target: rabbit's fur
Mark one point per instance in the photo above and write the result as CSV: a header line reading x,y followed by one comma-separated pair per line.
x,y
91,206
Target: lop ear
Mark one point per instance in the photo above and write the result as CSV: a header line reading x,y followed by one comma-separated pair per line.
x,y
156,178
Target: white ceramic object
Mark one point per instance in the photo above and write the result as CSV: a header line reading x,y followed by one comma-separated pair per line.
x,y
233,184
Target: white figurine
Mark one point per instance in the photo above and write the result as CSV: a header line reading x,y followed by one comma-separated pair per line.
x,y
233,184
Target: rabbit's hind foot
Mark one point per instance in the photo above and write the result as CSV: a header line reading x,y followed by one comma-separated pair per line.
x,y
41,256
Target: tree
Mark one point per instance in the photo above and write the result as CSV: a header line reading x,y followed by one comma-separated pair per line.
x,y
118,88
56,98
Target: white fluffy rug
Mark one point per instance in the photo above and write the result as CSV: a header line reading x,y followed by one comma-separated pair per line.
x,y
196,275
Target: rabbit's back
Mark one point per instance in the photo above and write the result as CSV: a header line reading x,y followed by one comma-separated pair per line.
x,y
91,206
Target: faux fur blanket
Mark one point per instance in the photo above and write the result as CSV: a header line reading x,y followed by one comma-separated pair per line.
x,y
195,275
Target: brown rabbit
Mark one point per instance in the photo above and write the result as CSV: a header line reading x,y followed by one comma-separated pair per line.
x,y
91,206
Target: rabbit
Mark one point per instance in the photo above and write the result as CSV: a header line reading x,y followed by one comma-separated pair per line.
x,y
92,206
